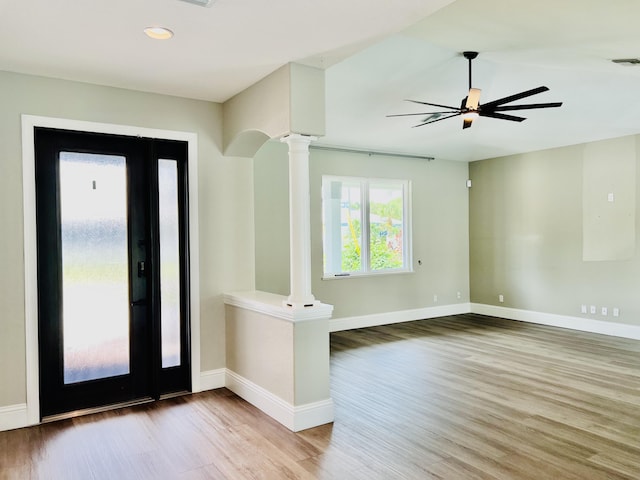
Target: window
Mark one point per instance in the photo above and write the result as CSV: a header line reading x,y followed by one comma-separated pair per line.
x,y
365,226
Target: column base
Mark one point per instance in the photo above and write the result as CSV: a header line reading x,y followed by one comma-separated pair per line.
x,y
277,306
307,304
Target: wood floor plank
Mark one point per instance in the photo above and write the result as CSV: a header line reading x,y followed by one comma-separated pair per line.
x,y
460,397
476,364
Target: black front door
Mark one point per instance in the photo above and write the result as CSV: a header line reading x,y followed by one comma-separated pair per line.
x,y
113,288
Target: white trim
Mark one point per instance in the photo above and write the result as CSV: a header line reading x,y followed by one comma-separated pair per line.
x,y
313,414
295,418
30,272
13,416
29,122
275,306
371,274
212,379
194,258
387,318
329,222
563,321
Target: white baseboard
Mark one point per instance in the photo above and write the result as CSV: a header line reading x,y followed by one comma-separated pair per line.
x,y
295,418
301,417
312,415
563,321
212,379
13,416
387,318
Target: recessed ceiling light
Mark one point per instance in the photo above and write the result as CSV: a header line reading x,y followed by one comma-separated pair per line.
x,y
158,33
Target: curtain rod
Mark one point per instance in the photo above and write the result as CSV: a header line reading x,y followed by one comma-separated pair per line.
x,y
370,152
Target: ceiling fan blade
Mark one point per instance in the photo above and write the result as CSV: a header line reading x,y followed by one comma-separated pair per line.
x,y
436,120
422,113
529,106
434,105
467,123
473,99
513,98
501,116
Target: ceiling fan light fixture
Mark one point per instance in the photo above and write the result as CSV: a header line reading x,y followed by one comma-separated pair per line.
x,y
158,33
201,3
473,99
472,115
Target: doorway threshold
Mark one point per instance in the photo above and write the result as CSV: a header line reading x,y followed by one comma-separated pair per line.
x,y
100,409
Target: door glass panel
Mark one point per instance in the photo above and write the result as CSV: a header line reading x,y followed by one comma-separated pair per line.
x,y
169,262
95,271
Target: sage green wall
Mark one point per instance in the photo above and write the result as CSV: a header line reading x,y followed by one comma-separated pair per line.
x,y
260,348
289,100
287,358
529,215
271,211
225,202
440,231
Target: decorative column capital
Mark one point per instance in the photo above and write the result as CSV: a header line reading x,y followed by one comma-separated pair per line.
x,y
297,139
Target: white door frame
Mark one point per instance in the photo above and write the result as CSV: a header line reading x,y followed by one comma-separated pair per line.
x,y
29,122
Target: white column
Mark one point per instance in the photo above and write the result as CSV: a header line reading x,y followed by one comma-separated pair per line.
x,y
299,221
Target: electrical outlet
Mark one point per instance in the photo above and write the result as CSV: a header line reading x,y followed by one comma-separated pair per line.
x,y
459,295
435,299
605,311
583,309
616,312
593,309
501,298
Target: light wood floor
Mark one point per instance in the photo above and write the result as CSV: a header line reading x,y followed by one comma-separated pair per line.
x,y
461,397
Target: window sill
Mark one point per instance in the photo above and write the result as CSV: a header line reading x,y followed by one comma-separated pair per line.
x,y
367,274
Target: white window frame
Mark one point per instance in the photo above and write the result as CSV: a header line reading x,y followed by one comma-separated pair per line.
x,y
365,183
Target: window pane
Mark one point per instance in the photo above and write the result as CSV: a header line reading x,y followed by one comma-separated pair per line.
x,y
386,212
342,226
95,272
169,262
366,225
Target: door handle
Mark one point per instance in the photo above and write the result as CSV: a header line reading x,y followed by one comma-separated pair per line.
x,y
139,303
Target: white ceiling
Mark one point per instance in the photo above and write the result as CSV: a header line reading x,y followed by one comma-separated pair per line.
x,y
216,51
566,45
375,55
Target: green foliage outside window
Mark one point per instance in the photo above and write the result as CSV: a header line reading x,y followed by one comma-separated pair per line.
x,y
383,254
385,239
381,247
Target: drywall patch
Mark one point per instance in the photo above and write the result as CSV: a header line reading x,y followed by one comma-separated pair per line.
x,y
609,200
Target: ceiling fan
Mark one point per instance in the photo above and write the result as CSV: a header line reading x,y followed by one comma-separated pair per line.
x,y
470,108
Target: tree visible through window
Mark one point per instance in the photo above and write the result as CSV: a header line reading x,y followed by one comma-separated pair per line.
x,y
365,225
